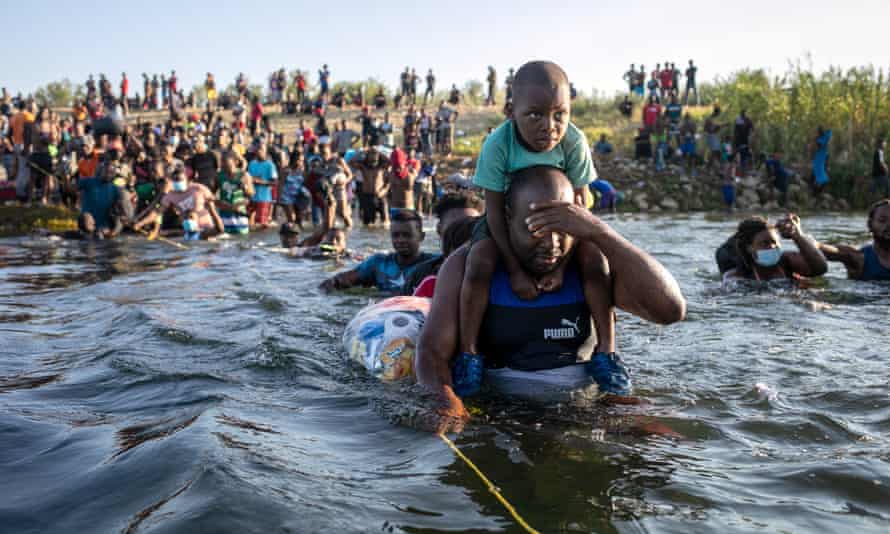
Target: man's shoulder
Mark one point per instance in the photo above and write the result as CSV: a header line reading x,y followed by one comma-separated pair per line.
x,y
379,257
201,188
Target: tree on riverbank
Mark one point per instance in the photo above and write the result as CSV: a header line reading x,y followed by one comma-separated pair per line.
x,y
61,93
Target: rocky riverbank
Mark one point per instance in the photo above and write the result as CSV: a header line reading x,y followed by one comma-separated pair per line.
x,y
19,220
672,190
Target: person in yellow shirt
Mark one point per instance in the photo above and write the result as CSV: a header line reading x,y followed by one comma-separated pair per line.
x,y
210,86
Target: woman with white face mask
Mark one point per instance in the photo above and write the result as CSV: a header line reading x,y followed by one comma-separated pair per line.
x,y
759,254
192,202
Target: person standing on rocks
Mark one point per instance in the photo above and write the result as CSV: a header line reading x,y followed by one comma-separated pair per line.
x,y
687,142
404,81
741,138
210,89
820,160
155,85
640,86
492,86
125,90
324,80
691,73
712,138
674,113
508,85
626,107
666,82
631,78
651,113
430,86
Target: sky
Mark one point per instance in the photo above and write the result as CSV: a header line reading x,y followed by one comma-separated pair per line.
x,y
593,40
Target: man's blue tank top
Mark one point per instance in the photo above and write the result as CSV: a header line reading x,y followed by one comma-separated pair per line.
x,y
872,268
550,331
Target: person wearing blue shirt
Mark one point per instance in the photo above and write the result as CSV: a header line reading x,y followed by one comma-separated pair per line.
x,y
820,160
603,147
103,201
872,261
608,196
388,271
776,170
265,176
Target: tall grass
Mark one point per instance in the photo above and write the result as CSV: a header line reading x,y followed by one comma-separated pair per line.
x,y
787,110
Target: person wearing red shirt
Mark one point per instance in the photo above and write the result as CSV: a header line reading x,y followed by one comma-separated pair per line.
x,y
403,169
309,136
256,116
666,77
125,89
651,113
172,81
300,82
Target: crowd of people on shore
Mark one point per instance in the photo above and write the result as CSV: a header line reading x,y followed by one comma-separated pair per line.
x,y
662,83
670,134
228,163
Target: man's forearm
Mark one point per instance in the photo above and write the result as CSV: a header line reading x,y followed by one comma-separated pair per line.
x,y
433,372
810,252
831,252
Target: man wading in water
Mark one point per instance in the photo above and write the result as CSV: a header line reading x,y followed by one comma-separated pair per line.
x,y
552,349
871,262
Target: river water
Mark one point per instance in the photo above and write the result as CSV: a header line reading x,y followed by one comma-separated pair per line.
x,y
149,389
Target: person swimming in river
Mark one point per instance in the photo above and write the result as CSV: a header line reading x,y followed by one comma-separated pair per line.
x,y
554,347
388,271
755,252
324,243
184,198
537,132
871,262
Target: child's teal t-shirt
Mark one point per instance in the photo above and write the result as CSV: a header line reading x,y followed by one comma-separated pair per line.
x,y
502,154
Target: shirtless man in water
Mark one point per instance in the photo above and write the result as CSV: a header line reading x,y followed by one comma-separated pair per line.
x,y
871,262
372,197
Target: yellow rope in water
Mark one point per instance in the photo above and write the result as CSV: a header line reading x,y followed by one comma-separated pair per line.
x,y
491,487
162,239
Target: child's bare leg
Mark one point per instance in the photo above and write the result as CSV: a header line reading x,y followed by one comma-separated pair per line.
x,y
597,283
481,263
346,213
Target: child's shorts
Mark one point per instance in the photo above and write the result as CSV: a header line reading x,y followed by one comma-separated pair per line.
x,y
234,223
263,211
